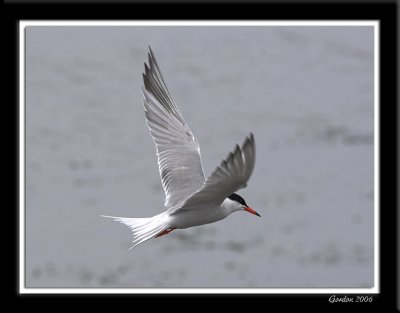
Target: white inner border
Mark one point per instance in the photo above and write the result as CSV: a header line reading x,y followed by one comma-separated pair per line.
x,y
24,290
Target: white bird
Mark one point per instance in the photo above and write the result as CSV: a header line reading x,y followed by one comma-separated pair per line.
x,y
190,199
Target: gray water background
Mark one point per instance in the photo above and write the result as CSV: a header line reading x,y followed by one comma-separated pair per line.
x,y
305,92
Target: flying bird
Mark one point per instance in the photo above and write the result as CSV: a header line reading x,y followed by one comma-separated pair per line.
x,y
190,198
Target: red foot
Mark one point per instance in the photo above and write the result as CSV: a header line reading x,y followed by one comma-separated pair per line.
x,y
165,232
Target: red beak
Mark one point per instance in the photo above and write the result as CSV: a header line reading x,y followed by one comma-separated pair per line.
x,y
250,210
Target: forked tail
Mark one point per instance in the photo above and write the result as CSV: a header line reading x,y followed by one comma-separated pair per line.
x,y
143,228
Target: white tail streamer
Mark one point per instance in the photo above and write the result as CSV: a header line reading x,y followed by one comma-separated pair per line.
x,y
143,229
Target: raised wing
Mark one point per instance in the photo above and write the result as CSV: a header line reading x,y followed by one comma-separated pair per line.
x,y
231,175
178,152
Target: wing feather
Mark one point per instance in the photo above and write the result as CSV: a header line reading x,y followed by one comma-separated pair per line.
x,y
178,151
232,174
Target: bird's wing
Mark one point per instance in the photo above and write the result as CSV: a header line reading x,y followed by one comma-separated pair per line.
x,y
178,151
231,175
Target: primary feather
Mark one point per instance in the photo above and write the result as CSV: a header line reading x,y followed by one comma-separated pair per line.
x,y
178,151
230,176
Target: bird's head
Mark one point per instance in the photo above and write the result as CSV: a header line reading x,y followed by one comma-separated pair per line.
x,y
237,203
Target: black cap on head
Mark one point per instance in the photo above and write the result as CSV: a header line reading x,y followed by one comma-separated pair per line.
x,y
237,198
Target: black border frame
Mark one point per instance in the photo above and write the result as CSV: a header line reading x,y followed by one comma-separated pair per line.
x,y
385,12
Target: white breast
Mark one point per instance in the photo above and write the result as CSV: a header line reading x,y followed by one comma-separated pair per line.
x,y
198,216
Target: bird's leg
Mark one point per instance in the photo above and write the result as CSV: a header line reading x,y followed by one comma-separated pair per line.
x,y
165,232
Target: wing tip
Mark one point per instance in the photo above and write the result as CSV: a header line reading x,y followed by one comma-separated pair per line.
x,y
150,50
249,141
250,137
253,142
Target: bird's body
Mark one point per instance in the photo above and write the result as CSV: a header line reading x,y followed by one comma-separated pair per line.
x,y
200,215
191,199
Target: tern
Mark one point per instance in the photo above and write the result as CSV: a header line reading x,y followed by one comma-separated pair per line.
x,y
190,199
